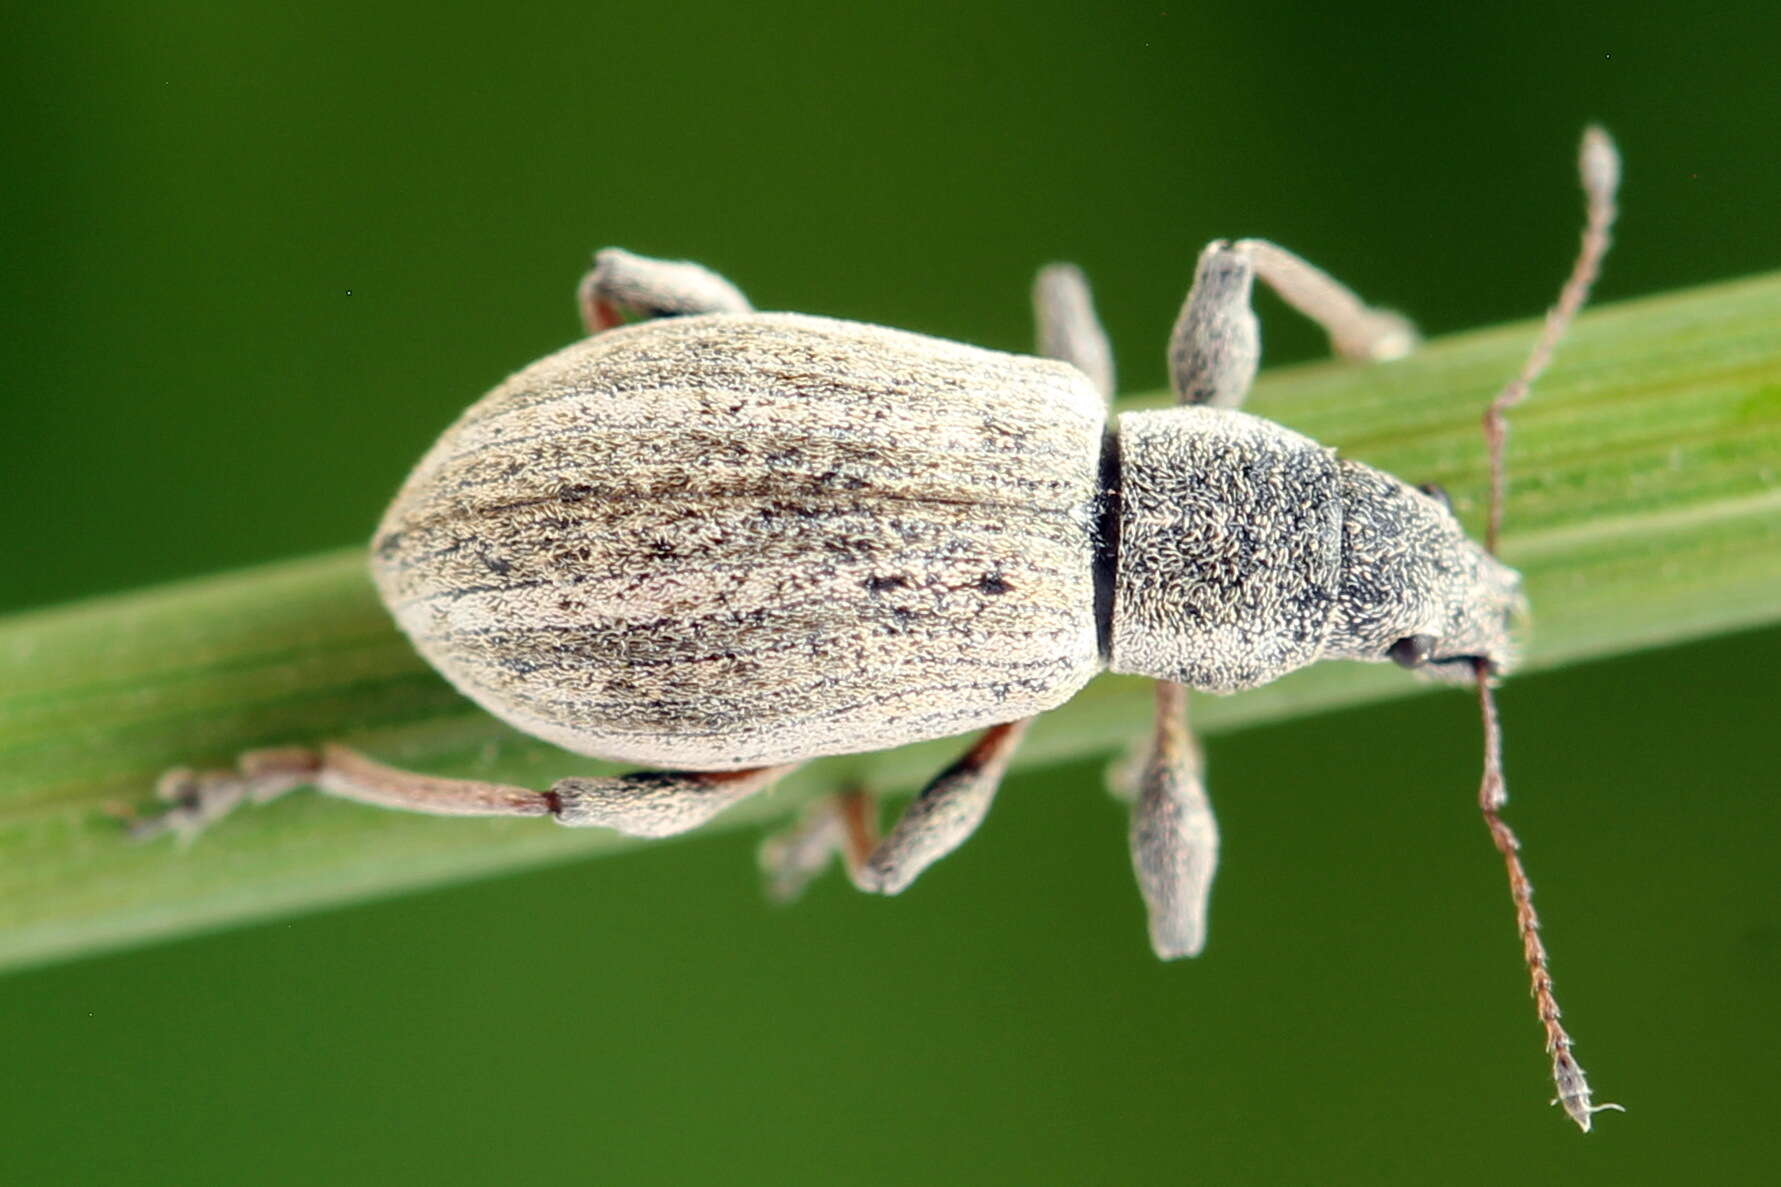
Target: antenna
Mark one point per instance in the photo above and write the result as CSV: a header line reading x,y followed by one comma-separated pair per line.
x,y
1599,165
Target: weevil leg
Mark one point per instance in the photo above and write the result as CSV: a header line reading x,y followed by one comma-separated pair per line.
x,y
936,822
1214,351
1216,344
1174,837
1069,331
657,803
641,804
197,799
622,287
794,857
845,823
1173,833
943,816
1356,330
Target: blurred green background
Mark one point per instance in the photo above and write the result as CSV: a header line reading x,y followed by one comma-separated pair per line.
x,y
257,256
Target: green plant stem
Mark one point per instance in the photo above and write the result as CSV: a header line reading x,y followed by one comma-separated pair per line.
x,y
1645,509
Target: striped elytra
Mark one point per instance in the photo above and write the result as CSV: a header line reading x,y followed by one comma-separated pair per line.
x,y
729,540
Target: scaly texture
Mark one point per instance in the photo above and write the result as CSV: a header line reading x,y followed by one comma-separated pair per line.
x,y
1230,548
728,541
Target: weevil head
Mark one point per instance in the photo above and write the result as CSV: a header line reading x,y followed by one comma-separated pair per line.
x,y
1415,589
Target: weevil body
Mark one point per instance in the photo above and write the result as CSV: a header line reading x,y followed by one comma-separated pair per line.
x,y
724,542
738,540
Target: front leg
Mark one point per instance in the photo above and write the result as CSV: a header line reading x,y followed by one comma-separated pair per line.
x,y
1174,835
1216,345
1213,355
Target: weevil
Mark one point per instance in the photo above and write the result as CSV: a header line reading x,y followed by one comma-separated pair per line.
x,y
723,543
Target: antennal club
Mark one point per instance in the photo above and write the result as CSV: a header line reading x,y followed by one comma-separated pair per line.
x,y
1599,164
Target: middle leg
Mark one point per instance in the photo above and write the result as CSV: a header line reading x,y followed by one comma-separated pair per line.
x,y
1173,835
950,808
940,819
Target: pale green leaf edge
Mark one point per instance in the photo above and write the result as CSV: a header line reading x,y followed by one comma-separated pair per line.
x,y
1645,510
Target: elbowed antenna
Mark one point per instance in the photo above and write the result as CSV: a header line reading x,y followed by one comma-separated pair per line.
x,y
1599,165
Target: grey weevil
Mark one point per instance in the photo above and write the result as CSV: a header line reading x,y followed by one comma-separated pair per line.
x,y
727,542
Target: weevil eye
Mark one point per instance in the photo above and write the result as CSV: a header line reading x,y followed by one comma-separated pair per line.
x,y
1438,493
1412,651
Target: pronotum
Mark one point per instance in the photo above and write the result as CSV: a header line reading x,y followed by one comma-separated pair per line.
x,y
723,542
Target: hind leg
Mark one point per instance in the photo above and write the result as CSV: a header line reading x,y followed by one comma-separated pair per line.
x,y
623,287
642,804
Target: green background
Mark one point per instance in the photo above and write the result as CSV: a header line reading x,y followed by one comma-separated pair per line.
x,y
257,256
